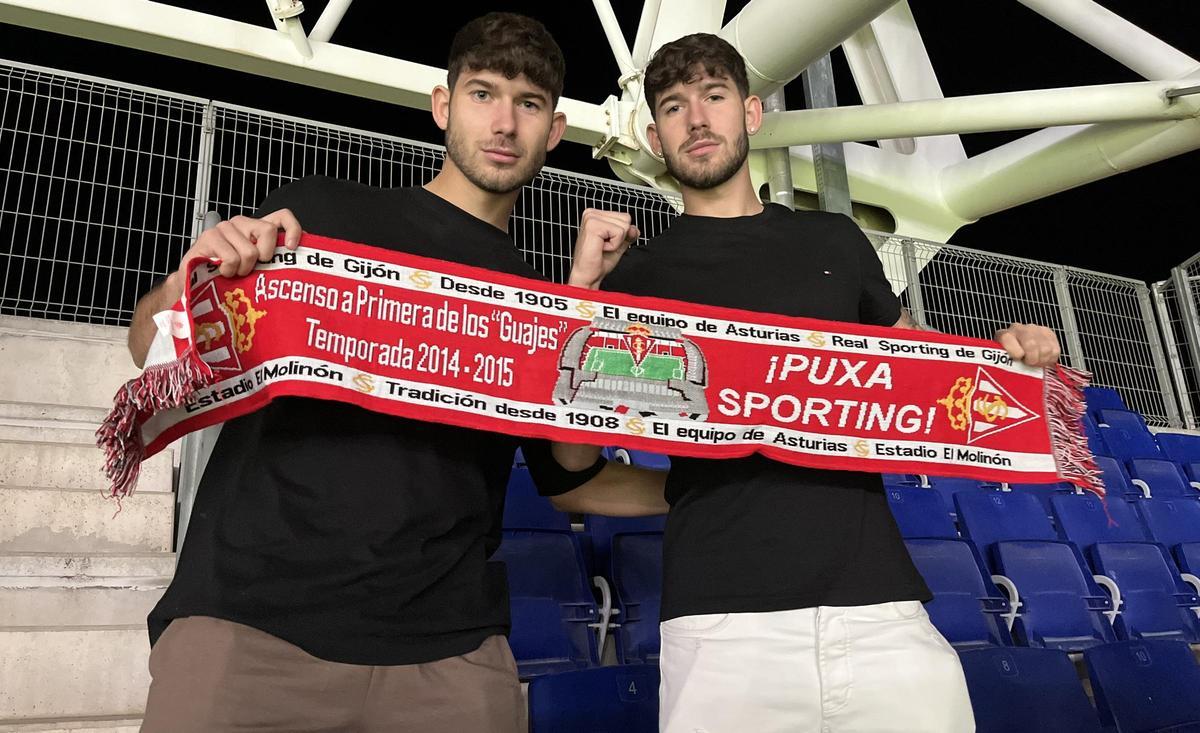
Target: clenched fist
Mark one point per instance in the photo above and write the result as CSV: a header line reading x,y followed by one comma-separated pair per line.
x,y
603,238
1034,345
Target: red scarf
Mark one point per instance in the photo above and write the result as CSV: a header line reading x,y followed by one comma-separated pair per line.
x,y
443,342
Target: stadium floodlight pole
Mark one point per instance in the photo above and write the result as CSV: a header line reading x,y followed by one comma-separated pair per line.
x,y
1118,38
330,18
1033,109
781,38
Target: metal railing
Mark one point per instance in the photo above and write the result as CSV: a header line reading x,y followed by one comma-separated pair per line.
x,y
104,185
1177,301
1105,323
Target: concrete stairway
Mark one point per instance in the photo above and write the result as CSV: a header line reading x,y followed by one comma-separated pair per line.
x,y
76,578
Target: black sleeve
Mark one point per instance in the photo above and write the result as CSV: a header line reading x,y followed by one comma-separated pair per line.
x,y
291,195
624,277
877,304
550,477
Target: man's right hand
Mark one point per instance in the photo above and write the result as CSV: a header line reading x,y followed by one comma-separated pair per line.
x,y
239,243
603,238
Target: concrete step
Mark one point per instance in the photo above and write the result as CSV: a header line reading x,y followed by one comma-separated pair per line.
x,y
74,570
49,608
74,466
89,724
36,422
59,363
73,672
65,521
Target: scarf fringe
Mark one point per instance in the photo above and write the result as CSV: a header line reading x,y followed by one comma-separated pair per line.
x,y
159,387
1065,408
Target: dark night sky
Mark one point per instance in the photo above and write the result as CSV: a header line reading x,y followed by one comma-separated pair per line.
x,y
1135,224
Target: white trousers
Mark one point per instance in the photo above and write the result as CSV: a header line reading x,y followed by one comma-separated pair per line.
x,y
859,669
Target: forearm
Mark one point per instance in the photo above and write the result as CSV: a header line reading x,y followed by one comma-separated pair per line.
x,y
574,456
618,491
142,327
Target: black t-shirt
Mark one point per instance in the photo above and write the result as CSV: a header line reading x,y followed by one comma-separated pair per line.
x,y
752,534
359,537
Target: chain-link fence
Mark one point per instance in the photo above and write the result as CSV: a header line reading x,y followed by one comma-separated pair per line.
x,y
1178,304
104,186
1105,323
97,188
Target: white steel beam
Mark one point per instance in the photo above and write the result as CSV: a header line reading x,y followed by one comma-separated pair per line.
x,y
1053,160
780,38
616,39
679,18
331,18
645,32
889,63
1026,110
1116,37
905,186
193,36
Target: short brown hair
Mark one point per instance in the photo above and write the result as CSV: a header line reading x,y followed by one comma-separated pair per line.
x,y
681,61
512,45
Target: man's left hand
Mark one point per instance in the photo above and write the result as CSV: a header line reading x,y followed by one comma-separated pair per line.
x,y
1031,344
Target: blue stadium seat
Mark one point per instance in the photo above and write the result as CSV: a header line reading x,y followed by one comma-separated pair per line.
x,y
1092,431
641,458
1176,526
1156,604
1179,447
1015,690
551,600
637,583
949,487
1061,606
600,530
1192,471
1155,600
524,508
1043,492
1116,480
901,479
1171,522
1165,479
1126,436
994,516
1102,398
599,700
1145,685
920,512
1085,520
966,607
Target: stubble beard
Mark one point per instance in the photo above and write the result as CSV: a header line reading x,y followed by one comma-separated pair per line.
x,y
504,181
711,178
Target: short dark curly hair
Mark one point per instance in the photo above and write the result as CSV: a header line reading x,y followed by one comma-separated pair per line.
x,y
682,60
512,45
